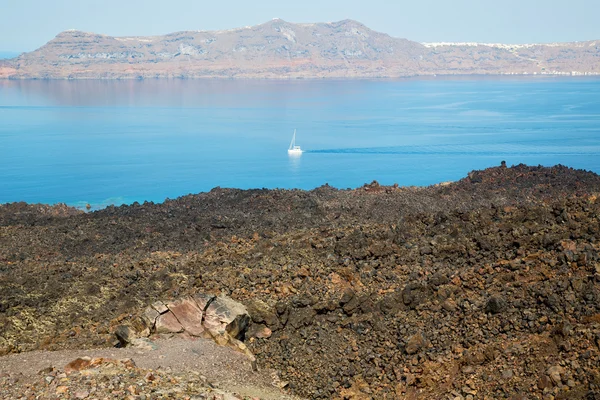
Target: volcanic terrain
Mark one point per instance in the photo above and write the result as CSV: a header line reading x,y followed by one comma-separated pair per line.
x,y
484,288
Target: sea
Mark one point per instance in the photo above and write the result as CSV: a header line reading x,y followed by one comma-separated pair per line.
x,y
117,142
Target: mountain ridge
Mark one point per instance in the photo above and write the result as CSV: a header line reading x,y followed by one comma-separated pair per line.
x,y
282,50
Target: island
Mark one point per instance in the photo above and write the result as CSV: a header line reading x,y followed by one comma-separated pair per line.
x,y
283,50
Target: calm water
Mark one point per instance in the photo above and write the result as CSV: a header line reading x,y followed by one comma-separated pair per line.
x,y
117,142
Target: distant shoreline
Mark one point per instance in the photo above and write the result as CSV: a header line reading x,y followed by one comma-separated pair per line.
x,y
592,76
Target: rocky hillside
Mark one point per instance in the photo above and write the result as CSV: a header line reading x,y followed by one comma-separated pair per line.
x,y
484,288
279,49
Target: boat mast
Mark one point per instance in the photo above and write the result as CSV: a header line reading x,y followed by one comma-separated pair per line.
x,y
293,140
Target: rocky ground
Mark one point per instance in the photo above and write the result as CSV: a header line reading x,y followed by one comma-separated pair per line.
x,y
488,287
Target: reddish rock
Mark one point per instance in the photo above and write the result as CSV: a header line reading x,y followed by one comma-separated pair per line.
x,y
188,314
82,363
264,333
78,364
167,323
415,343
259,331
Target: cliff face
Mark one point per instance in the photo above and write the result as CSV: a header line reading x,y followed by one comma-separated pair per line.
x,y
278,49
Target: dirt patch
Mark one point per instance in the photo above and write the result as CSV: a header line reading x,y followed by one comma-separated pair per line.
x,y
218,367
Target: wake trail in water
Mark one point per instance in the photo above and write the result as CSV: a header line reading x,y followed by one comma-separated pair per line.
x,y
457,150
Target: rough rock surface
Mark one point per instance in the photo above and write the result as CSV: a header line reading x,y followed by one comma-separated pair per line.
x,y
167,323
189,315
201,315
226,318
499,272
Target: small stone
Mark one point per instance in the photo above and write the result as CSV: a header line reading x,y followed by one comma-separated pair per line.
x,y
124,334
78,364
47,371
467,369
495,304
467,390
263,333
507,374
81,394
555,373
449,305
571,383
564,345
150,377
415,343
126,362
347,296
61,389
544,382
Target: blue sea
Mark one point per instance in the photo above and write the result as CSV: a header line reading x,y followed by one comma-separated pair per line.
x,y
115,142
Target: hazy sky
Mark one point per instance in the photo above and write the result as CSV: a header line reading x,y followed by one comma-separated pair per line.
x,y
28,24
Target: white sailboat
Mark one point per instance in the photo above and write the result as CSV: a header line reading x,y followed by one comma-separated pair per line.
x,y
294,150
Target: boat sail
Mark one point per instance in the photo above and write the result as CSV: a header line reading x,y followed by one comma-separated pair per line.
x,y
294,150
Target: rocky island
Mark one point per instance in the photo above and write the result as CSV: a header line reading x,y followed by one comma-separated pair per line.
x,y
484,288
283,50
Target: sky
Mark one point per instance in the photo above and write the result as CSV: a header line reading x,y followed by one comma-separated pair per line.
x,y
27,24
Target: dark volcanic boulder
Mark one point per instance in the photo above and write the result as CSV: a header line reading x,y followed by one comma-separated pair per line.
x,y
495,304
